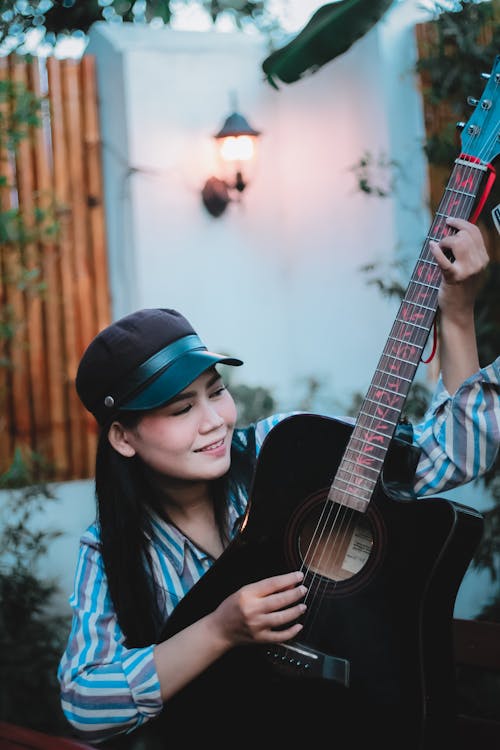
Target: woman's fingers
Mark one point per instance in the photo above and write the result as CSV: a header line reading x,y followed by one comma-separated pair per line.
x,y
461,254
274,584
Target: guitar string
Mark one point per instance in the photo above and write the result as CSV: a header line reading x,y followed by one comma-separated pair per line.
x,y
348,516
463,208
339,511
459,211
465,200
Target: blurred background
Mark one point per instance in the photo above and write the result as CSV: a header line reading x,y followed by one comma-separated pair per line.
x,y
119,190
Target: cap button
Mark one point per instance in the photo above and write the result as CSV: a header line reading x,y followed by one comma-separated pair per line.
x,y
109,401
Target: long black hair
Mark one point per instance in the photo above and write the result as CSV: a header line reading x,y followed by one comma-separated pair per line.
x,y
123,495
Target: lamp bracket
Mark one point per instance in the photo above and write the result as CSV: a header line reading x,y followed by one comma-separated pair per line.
x,y
215,196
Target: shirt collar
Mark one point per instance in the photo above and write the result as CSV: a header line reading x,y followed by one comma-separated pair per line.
x,y
174,544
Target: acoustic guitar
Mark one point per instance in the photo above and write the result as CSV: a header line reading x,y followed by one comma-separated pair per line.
x,y
374,662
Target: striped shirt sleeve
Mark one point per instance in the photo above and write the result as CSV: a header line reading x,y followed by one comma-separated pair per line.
x,y
105,687
459,436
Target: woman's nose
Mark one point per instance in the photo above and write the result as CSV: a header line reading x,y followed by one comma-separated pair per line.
x,y
211,418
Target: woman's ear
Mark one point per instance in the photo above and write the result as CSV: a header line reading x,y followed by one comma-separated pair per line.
x,y
117,436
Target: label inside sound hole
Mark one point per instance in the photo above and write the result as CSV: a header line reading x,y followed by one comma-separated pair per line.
x,y
358,550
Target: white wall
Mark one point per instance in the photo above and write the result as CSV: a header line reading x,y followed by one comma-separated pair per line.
x,y
276,279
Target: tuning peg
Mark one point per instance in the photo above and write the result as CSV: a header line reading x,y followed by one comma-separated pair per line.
x,y
485,75
460,125
472,102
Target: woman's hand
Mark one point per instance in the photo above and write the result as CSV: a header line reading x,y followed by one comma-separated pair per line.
x,y
462,258
462,276
252,614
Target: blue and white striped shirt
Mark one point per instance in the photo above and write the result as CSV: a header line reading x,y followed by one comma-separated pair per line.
x,y
107,688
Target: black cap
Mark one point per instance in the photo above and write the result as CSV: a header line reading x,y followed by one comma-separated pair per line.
x,y
140,362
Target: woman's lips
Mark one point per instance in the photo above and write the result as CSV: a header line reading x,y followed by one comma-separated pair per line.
x,y
213,447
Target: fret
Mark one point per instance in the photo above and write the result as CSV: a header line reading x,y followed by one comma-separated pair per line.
x,y
378,404
356,490
400,360
371,464
357,494
349,471
438,213
419,304
424,284
393,397
362,454
403,370
427,262
357,482
421,307
396,353
369,447
403,346
392,375
403,342
379,419
424,269
460,192
376,408
367,450
472,165
360,461
414,325
349,501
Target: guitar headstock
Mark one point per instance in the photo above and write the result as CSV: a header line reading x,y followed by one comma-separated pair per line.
x,y
480,135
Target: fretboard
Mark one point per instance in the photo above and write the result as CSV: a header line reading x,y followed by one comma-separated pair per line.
x,y
364,457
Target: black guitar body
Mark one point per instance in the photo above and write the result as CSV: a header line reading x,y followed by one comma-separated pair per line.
x,y
388,627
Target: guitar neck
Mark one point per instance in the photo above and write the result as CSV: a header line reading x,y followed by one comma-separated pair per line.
x,y
361,466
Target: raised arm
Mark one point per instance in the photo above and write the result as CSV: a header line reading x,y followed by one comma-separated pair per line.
x,y
462,278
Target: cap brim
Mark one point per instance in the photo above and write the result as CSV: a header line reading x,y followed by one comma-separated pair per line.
x,y
175,378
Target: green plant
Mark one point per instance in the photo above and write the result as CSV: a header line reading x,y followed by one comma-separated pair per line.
x,y
20,231
62,19
31,636
330,32
467,40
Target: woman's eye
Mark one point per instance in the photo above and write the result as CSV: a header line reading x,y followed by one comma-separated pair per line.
x,y
184,410
218,391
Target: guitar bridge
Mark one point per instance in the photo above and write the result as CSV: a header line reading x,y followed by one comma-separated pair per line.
x,y
297,660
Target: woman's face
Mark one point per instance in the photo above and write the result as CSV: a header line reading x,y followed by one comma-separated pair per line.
x,y
190,437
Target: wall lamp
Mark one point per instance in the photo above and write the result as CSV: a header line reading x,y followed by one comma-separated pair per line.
x,y
236,142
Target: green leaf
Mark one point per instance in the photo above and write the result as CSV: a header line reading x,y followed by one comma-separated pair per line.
x,y
329,33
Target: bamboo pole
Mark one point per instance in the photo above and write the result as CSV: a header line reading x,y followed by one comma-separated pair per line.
x,y
17,349
6,443
95,212
95,200
52,304
35,398
72,345
84,291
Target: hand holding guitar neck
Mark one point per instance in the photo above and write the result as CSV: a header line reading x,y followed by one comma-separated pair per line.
x,y
462,258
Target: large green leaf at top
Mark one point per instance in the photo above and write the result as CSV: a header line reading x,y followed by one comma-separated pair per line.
x,y
331,31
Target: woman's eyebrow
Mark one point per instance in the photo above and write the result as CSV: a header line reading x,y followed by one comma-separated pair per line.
x,y
192,394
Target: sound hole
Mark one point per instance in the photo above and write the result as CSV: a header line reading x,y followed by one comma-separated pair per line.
x,y
334,541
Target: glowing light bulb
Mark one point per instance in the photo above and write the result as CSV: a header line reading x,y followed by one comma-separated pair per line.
x,y
237,148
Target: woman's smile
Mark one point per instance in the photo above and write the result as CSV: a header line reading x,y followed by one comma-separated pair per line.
x,y
218,448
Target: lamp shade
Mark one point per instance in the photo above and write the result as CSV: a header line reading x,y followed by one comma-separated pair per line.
x,y
236,125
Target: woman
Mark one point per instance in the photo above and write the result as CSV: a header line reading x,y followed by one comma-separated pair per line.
x,y
172,482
